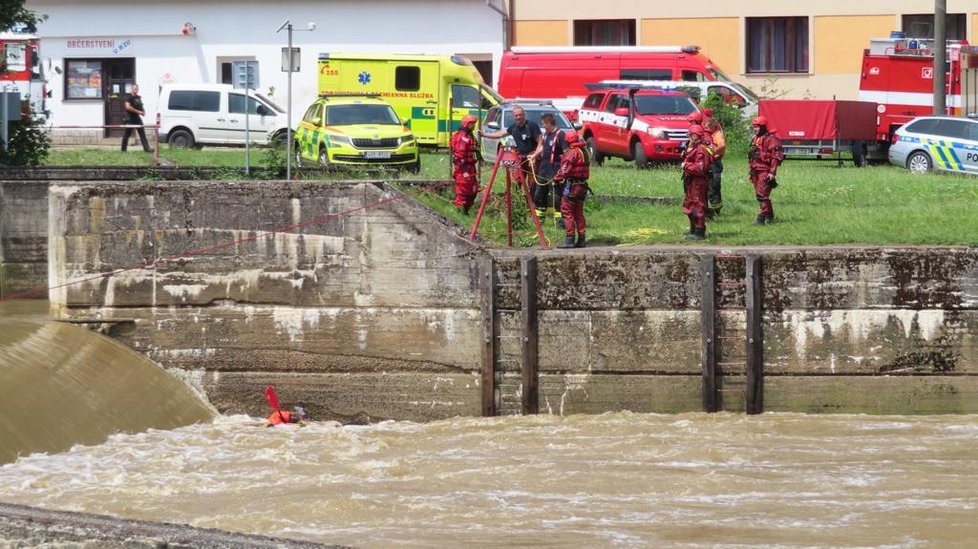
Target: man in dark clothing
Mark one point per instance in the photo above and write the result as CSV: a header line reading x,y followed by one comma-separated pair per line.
x,y
134,117
526,136
553,149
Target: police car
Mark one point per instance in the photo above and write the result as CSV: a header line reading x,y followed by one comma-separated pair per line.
x,y
354,130
936,142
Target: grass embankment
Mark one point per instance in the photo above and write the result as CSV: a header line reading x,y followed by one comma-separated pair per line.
x,y
817,203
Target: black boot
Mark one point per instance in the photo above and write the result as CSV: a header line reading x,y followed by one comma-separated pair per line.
x,y
692,226
697,234
761,219
769,218
568,243
580,241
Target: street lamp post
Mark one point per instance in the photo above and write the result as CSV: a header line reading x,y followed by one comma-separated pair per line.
x,y
289,65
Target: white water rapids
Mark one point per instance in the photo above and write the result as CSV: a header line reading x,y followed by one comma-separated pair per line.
x,y
614,480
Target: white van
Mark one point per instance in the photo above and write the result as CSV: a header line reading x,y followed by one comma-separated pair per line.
x,y
214,114
734,94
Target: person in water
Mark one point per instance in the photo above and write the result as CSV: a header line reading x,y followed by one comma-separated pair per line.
x,y
282,417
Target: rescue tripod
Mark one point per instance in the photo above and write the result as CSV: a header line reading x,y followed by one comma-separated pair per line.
x,y
510,160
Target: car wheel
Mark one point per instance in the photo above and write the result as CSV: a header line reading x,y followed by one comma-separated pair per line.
x,y
596,157
919,162
182,139
323,156
638,153
416,167
297,149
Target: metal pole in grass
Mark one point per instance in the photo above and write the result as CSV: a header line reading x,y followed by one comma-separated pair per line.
x,y
940,56
290,64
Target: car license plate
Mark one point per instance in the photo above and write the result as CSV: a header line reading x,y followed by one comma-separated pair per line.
x,y
377,154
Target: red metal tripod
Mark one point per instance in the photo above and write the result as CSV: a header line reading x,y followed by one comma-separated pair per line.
x,y
510,160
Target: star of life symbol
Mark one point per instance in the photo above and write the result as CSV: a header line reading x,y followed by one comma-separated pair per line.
x,y
364,78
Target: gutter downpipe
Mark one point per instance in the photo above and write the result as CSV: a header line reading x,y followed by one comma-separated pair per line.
x,y
507,21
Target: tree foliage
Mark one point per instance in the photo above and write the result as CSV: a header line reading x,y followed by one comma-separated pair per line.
x,y
29,143
13,12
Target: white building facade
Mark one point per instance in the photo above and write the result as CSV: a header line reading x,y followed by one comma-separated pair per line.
x,y
98,49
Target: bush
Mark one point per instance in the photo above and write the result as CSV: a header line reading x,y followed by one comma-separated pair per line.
x,y
29,143
736,128
275,156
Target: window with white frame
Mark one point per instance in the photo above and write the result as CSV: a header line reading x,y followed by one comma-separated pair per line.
x,y
777,44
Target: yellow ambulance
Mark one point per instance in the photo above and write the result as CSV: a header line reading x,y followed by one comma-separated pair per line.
x,y
430,93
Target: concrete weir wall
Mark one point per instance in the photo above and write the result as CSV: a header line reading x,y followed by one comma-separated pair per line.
x,y
364,305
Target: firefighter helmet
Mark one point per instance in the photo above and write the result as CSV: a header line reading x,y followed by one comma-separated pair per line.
x,y
571,137
697,130
708,112
695,117
759,121
469,120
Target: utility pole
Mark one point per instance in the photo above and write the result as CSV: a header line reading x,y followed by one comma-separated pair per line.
x,y
940,56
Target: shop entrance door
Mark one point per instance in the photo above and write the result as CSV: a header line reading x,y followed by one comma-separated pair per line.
x,y
119,77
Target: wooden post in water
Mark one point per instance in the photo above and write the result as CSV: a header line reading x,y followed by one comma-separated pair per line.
x,y
754,394
487,278
528,297
708,319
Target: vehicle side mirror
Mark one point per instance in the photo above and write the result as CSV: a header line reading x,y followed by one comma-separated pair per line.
x,y
578,125
621,111
262,110
493,126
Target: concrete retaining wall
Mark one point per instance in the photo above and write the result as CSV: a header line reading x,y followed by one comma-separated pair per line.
x,y
23,236
364,306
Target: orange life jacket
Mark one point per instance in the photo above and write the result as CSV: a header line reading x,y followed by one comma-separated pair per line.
x,y
279,418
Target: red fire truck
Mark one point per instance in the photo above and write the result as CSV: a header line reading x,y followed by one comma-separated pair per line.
x,y
21,70
898,75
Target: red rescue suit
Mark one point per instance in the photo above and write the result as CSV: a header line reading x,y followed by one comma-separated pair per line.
x,y
696,169
464,149
575,169
764,156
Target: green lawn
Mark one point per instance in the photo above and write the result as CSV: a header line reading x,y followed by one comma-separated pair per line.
x,y
816,202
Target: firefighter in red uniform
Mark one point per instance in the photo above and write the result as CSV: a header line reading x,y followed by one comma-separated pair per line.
x,y
465,151
764,156
575,169
696,169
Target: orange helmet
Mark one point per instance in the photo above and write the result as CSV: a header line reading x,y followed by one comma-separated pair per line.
x,y
759,121
697,130
469,120
695,116
571,137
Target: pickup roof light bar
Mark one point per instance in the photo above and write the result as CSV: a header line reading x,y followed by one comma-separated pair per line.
x,y
605,49
597,86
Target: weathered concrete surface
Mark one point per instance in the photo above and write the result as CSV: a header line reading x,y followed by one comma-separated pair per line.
x,y
22,526
23,236
366,306
358,301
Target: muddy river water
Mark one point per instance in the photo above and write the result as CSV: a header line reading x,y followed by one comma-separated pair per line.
x,y
613,480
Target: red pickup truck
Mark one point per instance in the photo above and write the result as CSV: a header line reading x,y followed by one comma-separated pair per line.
x,y
644,125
